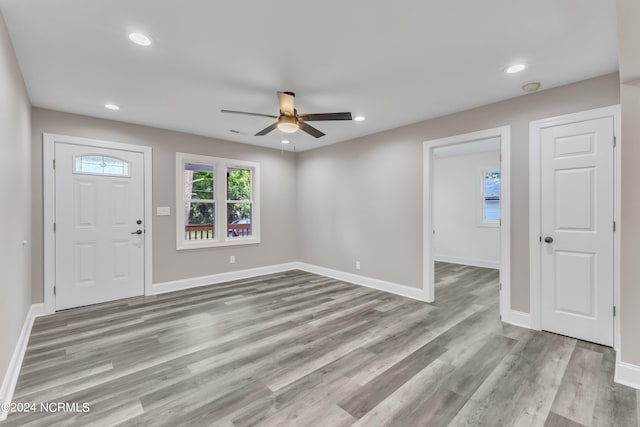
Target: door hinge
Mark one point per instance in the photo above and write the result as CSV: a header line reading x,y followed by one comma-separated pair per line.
x,y
54,290
500,286
54,227
614,311
540,238
615,141
614,226
54,163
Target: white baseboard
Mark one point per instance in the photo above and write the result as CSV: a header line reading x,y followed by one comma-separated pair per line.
x,y
627,374
519,318
381,285
13,370
467,261
194,282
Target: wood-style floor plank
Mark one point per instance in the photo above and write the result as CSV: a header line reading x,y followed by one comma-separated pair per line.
x,y
298,349
577,394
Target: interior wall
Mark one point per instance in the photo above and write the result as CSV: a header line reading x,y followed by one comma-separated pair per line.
x,y
630,225
362,200
15,190
460,237
277,209
628,53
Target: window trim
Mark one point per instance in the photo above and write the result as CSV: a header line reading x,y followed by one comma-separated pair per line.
x,y
220,166
482,222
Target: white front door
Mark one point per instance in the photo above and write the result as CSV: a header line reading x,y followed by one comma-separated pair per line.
x,y
577,183
99,214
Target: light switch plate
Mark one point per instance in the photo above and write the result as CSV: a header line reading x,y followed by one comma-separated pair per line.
x,y
163,210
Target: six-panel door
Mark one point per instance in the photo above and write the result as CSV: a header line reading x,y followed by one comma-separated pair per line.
x,y
577,230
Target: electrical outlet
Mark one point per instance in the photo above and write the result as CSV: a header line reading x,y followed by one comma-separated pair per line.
x,y
357,265
232,259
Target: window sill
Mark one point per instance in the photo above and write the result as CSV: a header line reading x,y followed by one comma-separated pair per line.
x,y
489,224
181,246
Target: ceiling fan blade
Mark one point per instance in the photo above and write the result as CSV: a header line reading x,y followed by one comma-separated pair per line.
x,y
248,114
267,129
310,129
324,117
286,100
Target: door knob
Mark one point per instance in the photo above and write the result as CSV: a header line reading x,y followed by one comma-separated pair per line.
x,y
548,239
137,232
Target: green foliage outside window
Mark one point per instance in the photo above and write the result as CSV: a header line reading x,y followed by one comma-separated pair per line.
x,y
202,189
238,189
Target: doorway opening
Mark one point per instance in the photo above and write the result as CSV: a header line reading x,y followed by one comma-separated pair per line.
x,y
467,214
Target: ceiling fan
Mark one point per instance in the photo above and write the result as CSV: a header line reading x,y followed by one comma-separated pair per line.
x,y
290,121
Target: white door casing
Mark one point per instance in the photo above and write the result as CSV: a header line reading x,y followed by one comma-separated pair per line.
x,y
504,133
576,229
120,202
98,259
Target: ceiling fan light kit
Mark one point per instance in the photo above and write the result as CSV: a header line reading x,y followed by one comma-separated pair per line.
x,y
287,124
289,121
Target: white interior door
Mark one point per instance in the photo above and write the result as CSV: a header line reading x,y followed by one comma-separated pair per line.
x,y
99,214
577,186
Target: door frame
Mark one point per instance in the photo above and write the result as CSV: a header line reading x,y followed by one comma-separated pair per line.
x,y
535,218
428,274
48,146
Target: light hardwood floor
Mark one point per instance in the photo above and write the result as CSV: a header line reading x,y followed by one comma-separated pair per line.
x,y
300,349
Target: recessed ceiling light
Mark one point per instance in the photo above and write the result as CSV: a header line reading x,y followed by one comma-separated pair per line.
x,y
139,38
112,107
515,68
359,118
284,141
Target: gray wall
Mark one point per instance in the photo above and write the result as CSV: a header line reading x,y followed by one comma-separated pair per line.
x,y
629,48
460,236
362,200
15,185
630,228
278,196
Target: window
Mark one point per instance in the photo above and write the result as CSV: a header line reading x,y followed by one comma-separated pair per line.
x,y
239,204
218,202
97,164
199,202
490,198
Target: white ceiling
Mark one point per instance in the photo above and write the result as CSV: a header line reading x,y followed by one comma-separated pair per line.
x,y
396,62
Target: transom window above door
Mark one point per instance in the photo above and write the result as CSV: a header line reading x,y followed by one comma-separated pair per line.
x,y
97,164
217,201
